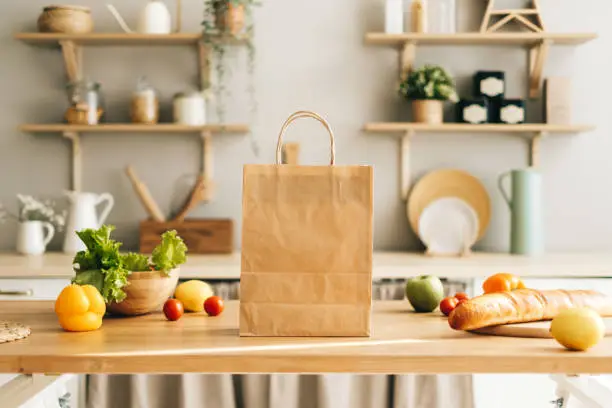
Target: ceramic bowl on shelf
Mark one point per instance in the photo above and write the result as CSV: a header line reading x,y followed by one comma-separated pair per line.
x,y
146,292
65,19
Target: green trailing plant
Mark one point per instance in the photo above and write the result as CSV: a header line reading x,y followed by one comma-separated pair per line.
x,y
429,82
219,39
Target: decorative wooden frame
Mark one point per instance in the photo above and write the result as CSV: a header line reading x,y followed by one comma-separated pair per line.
x,y
507,16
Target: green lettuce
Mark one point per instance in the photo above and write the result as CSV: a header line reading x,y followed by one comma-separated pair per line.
x,y
136,262
101,264
170,253
90,277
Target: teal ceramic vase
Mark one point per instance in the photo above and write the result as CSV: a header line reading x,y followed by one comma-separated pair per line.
x,y
525,202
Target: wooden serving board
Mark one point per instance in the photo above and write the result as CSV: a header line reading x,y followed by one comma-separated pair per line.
x,y
533,330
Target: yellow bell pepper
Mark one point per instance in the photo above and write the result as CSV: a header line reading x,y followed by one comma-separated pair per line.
x,y
80,308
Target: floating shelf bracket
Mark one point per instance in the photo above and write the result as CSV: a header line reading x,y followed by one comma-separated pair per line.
x,y
407,56
537,58
207,164
405,164
77,159
534,153
73,60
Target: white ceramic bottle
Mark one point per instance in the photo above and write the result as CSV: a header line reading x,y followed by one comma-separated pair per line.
x,y
155,19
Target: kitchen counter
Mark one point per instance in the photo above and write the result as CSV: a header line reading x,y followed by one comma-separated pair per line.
x,y
401,342
389,265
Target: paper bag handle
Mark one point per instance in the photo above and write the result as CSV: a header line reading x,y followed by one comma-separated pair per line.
x,y
305,114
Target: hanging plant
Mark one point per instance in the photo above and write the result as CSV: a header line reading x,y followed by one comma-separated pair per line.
x,y
227,21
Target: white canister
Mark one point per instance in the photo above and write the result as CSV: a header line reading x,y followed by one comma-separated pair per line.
x,y
33,237
394,16
155,19
190,109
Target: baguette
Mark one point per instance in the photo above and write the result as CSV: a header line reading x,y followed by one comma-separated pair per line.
x,y
524,305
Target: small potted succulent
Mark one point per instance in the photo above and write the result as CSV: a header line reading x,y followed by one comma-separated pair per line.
x,y
428,88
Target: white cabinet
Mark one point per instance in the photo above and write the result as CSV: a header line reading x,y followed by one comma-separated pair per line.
x,y
31,289
531,390
42,391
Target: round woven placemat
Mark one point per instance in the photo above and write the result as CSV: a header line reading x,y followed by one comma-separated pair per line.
x,y
11,331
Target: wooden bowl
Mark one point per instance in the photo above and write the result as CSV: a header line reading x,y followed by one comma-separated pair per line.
x,y
146,293
65,19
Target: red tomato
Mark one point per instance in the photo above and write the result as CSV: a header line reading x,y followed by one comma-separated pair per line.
x,y
173,309
461,296
213,306
448,304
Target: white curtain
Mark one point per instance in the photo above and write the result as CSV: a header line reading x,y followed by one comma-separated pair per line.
x,y
280,391
285,390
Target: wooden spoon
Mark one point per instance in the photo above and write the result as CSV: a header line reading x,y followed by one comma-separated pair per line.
x,y
145,196
197,195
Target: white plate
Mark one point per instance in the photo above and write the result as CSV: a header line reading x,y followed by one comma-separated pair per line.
x,y
448,226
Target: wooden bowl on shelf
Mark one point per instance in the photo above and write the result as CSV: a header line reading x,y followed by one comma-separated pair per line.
x,y
146,292
65,19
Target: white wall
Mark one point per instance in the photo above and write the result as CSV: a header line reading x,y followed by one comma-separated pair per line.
x,y
311,55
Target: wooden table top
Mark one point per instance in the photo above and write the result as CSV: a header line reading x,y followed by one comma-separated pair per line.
x,y
401,342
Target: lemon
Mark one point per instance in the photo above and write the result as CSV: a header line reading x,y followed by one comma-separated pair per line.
x,y
578,328
192,294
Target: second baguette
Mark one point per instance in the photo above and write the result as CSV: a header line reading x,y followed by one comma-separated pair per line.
x,y
524,305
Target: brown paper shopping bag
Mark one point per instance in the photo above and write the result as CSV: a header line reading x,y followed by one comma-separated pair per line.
x,y
306,247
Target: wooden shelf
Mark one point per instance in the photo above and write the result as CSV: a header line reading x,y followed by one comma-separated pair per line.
x,y
466,127
73,133
538,44
117,39
407,130
133,128
527,39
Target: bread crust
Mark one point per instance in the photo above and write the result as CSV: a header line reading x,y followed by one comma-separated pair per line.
x,y
524,305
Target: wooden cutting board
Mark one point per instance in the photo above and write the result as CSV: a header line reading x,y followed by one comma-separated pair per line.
x,y
535,329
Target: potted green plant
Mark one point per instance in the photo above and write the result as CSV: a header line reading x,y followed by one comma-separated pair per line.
x,y
130,283
428,88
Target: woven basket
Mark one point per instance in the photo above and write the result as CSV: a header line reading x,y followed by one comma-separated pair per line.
x,y
65,19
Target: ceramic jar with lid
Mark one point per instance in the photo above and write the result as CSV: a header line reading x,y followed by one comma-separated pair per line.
x,y
145,104
190,109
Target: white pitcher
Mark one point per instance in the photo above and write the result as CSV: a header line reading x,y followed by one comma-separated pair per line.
x,y
83,215
34,236
155,18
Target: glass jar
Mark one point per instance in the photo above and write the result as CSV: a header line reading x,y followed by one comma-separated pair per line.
x,y
145,104
85,100
441,16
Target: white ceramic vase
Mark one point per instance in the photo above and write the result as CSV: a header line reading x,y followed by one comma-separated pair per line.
x,y
155,19
34,236
83,214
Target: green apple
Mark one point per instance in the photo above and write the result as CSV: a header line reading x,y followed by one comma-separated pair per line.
x,y
424,293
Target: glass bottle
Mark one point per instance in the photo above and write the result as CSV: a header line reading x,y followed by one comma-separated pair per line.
x,y
86,107
441,16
